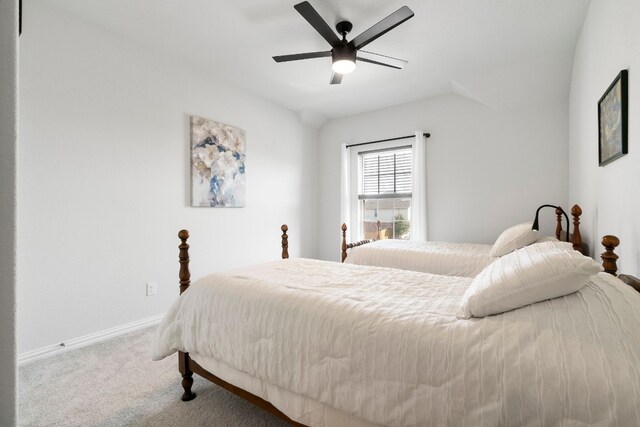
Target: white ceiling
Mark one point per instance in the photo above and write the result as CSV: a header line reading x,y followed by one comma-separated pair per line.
x,y
498,52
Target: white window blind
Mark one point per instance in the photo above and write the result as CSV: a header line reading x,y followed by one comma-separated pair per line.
x,y
385,173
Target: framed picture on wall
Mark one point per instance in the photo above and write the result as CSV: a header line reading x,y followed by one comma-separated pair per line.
x,y
217,164
612,121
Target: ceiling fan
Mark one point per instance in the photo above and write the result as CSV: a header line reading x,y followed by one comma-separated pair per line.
x,y
344,54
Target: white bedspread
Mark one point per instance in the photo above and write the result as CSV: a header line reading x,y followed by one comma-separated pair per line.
x,y
450,259
385,346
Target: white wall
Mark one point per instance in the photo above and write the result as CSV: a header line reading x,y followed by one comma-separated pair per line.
x,y
609,42
487,169
8,138
104,179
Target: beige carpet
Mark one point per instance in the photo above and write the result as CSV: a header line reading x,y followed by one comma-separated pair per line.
x,y
115,383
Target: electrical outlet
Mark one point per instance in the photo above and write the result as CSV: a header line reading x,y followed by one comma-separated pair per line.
x,y
152,288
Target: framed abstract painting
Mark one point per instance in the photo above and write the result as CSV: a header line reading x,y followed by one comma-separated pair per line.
x,y
217,164
612,121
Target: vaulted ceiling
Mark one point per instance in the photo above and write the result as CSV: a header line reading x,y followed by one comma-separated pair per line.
x,y
497,52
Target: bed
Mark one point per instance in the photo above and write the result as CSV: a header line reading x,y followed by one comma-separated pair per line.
x,y
330,344
451,259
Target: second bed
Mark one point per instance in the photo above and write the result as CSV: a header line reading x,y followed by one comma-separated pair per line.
x,y
453,259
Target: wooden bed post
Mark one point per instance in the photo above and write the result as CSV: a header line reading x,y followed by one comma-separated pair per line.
x,y
185,281
185,275
187,376
344,242
346,246
576,238
559,223
609,258
610,262
378,230
285,241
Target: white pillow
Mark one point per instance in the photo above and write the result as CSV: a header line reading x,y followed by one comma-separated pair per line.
x,y
514,238
560,244
525,276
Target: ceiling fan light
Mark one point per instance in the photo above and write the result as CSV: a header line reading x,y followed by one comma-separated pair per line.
x,y
343,66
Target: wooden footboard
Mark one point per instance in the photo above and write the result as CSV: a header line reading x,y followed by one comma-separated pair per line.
x,y
187,366
346,246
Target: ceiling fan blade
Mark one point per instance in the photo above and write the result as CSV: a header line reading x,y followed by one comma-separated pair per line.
x,y
382,27
377,63
336,78
376,58
309,13
299,56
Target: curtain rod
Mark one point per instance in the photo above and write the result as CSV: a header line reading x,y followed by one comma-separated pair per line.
x,y
427,135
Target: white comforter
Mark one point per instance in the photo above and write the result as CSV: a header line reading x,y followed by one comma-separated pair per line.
x,y
385,346
450,259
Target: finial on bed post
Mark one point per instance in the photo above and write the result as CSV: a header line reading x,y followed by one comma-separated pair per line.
x,y
559,223
185,275
576,238
344,242
285,241
609,258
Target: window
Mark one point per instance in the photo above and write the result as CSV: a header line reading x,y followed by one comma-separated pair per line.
x,y
386,182
384,193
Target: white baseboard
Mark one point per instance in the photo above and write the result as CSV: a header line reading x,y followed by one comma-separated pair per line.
x,y
82,341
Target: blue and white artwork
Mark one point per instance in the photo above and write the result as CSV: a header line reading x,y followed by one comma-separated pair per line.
x,y
217,164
